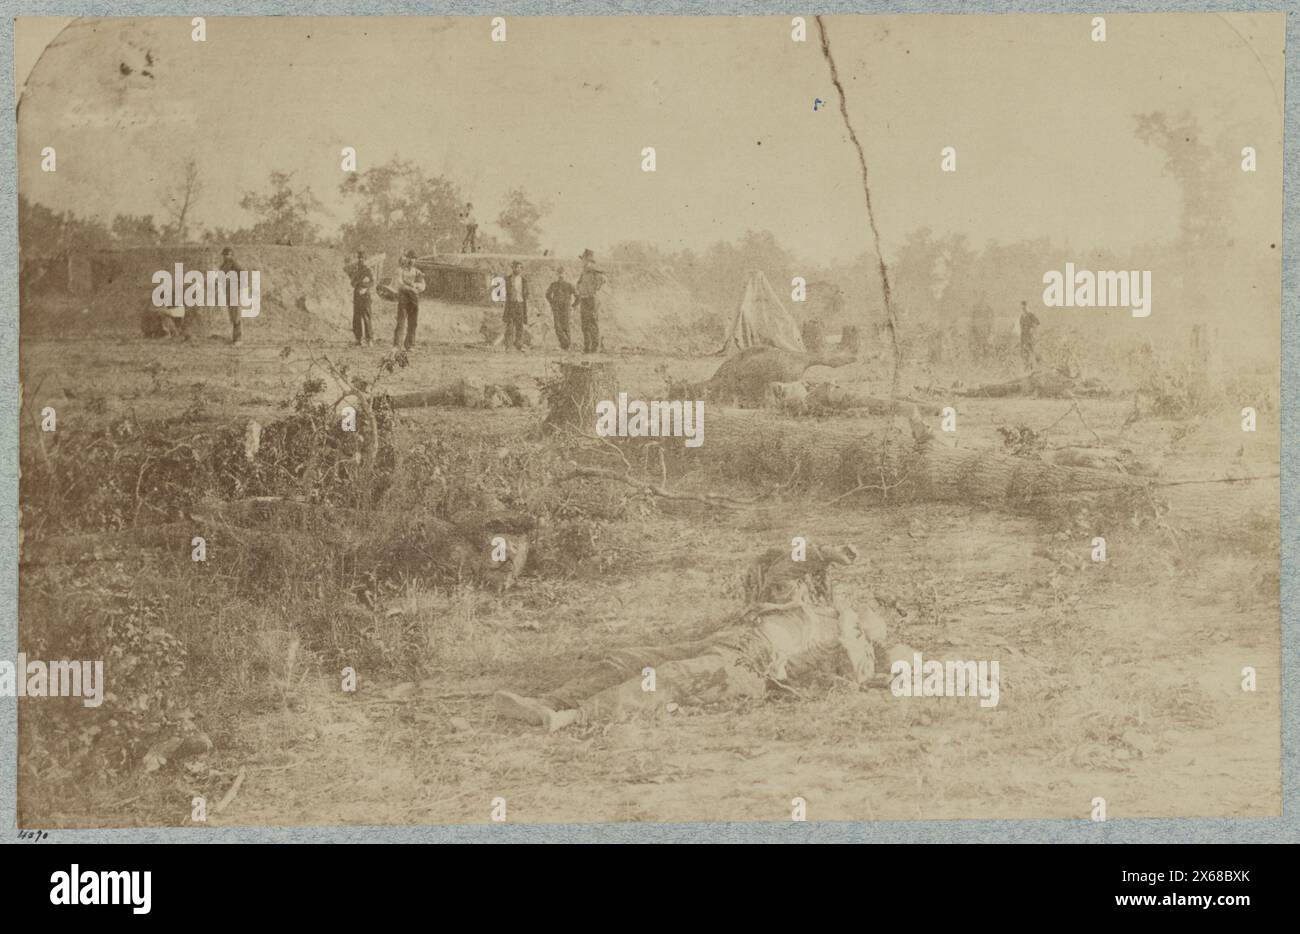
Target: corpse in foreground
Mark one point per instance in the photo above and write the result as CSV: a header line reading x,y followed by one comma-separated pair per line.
x,y
793,619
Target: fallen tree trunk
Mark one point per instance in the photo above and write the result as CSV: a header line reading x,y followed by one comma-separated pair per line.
x,y
272,531
837,456
883,461
1040,384
468,393
830,397
123,545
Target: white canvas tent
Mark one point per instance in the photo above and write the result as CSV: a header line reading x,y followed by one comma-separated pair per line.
x,y
761,320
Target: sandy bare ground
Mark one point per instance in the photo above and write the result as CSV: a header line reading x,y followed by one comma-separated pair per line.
x,y
1119,680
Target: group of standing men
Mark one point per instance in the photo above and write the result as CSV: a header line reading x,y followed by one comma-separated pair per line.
x,y
408,283
563,296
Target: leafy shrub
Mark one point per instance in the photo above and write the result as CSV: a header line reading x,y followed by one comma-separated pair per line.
x,y
102,616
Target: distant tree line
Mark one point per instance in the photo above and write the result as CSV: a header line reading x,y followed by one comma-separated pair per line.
x,y
935,278
394,206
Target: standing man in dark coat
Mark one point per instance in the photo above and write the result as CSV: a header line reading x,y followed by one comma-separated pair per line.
x,y
228,264
561,296
516,315
363,278
589,283
1028,324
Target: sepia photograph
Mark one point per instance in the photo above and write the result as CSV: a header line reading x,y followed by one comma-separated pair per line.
x,y
648,419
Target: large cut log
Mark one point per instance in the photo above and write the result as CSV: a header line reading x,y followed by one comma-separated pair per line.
x,y
489,546
1040,384
836,455
468,393
123,545
889,460
828,397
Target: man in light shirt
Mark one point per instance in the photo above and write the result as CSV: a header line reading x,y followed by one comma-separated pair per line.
x,y
409,284
470,243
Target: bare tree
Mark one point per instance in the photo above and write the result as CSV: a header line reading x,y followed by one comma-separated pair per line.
x,y
181,197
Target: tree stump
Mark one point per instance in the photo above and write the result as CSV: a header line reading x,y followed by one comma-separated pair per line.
x,y
814,336
572,396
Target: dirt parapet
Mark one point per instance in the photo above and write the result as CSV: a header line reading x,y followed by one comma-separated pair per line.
x,y
304,293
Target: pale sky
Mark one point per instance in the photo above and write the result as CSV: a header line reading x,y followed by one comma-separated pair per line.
x,y
1040,115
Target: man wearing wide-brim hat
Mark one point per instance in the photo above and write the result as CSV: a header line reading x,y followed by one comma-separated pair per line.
x,y
589,284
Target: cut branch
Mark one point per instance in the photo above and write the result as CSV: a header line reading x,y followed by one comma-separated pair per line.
x,y
711,499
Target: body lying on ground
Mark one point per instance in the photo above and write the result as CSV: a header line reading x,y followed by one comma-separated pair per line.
x,y
773,635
